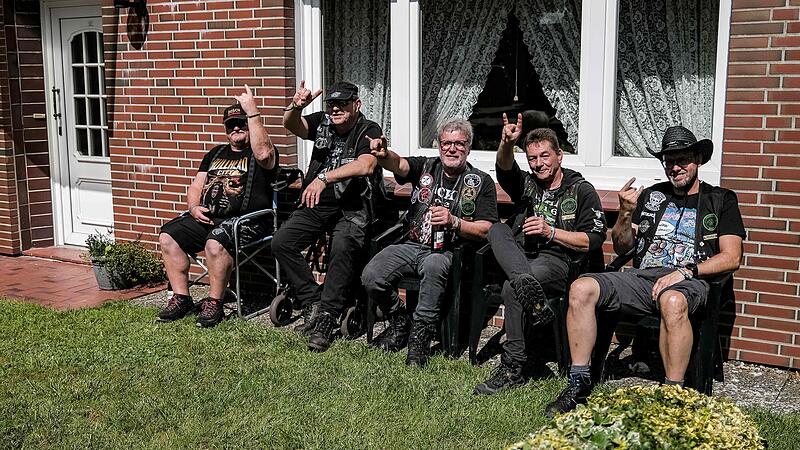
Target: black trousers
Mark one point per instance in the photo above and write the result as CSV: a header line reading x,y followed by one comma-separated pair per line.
x,y
345,257
549,270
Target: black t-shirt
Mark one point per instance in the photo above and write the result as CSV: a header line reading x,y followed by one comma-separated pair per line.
x,y
674,240
472,196
226,183
589,216
328,151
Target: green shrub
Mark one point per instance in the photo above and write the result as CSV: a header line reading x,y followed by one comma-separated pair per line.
x,y
130,264
649,417
97,244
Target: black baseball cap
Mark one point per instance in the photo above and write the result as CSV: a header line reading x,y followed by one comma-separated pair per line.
x,y
234,111
342,90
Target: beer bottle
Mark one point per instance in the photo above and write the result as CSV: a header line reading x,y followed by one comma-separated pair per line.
x,y
437,233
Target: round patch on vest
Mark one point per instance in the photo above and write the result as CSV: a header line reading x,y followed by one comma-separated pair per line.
x,y
425,195
469,193
644,226
569,205
426,180
467,207
710,222
655,200
472,180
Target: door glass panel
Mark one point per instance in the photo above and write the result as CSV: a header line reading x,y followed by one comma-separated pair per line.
x,y
80,111
93,81
97,142
77,49
94,111
77,80
91,47
83,143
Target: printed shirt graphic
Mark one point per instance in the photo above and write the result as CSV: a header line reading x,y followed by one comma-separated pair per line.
x,y
673,243
444,194
547,208
225,184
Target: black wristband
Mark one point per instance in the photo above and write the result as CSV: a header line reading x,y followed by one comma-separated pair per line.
x,y
250,116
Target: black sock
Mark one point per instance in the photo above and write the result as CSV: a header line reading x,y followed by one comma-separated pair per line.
x,y
580,371
668,382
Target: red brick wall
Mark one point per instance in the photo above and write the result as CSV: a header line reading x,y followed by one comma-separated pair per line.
x,y
9,223
169,96
761,162
24,139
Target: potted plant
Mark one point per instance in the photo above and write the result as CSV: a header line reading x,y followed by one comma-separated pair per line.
x,y
121,265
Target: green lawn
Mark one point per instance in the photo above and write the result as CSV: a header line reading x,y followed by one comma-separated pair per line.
x,y
112,378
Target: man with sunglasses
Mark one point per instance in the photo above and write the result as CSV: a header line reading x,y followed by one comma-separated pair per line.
x,y
449,194
679,233
340,191
559,220
233,179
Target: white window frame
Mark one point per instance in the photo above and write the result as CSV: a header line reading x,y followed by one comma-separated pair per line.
x,y
594,159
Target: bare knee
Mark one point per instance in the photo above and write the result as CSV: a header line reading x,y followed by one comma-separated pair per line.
x,y
214,250
674,308
168,244
584,293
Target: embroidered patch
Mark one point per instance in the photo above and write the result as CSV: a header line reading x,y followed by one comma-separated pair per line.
x,y
469,193
426,180
640,246
644,226
425,195
569,205
415,196
710,222
467,207
472,180
648,214
655,200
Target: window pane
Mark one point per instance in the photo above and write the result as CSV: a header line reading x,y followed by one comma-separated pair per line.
x,y
93,83
666,64
77,81
359,54
501,57
83,142
77,49
97,142
80,111
91,46
94,111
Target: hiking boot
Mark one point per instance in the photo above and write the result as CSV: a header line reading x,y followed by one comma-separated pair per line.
x,y
177,307
309,315
419,344
505,376
530,295
210,313
578,388
322,334
395,336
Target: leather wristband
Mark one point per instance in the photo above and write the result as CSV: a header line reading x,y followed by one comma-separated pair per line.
x,y
250,116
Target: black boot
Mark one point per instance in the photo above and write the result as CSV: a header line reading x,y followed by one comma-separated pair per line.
x,y
419,343
395,336
321,337
505,376
579,386
531,296
177,307
211,312
309,315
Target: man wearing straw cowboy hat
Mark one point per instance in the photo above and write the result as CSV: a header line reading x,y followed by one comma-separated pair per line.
x,y
679,232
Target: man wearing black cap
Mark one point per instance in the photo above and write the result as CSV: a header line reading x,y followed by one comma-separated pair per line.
x,y
339,190
679,233
233,179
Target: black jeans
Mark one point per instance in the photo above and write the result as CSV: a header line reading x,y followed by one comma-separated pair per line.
x,y
549,270
345,256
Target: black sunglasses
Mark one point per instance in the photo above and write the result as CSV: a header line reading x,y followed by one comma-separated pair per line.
x,y
338,103
233,123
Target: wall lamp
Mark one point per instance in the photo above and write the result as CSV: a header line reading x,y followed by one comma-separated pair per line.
x,y
140,6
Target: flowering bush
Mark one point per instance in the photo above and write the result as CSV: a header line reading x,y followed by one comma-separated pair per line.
x,y
649,417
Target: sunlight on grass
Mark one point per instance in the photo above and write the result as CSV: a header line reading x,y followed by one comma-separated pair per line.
x,y
112,378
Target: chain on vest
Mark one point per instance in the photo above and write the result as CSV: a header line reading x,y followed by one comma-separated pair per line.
x,y
709,207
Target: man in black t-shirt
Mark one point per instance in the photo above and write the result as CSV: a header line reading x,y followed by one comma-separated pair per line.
x,y
559,220
342,181
233,179
449,196
680,233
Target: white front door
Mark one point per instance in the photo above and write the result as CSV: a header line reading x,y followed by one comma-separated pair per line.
x,y
82,167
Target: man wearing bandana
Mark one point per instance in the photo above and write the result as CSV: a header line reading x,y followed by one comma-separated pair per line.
x,y
558,221
447,193
680,233
341,186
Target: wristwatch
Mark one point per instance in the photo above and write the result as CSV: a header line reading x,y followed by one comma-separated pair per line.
x,y
693,268
322,177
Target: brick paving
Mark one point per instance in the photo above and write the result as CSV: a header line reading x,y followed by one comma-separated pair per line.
x,y
60,285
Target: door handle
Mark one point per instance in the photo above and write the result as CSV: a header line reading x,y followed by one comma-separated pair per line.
x,y
56,107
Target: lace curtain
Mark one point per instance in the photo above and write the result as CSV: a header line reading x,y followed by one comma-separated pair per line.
x,y
459,42
356,37
552,31
665,70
